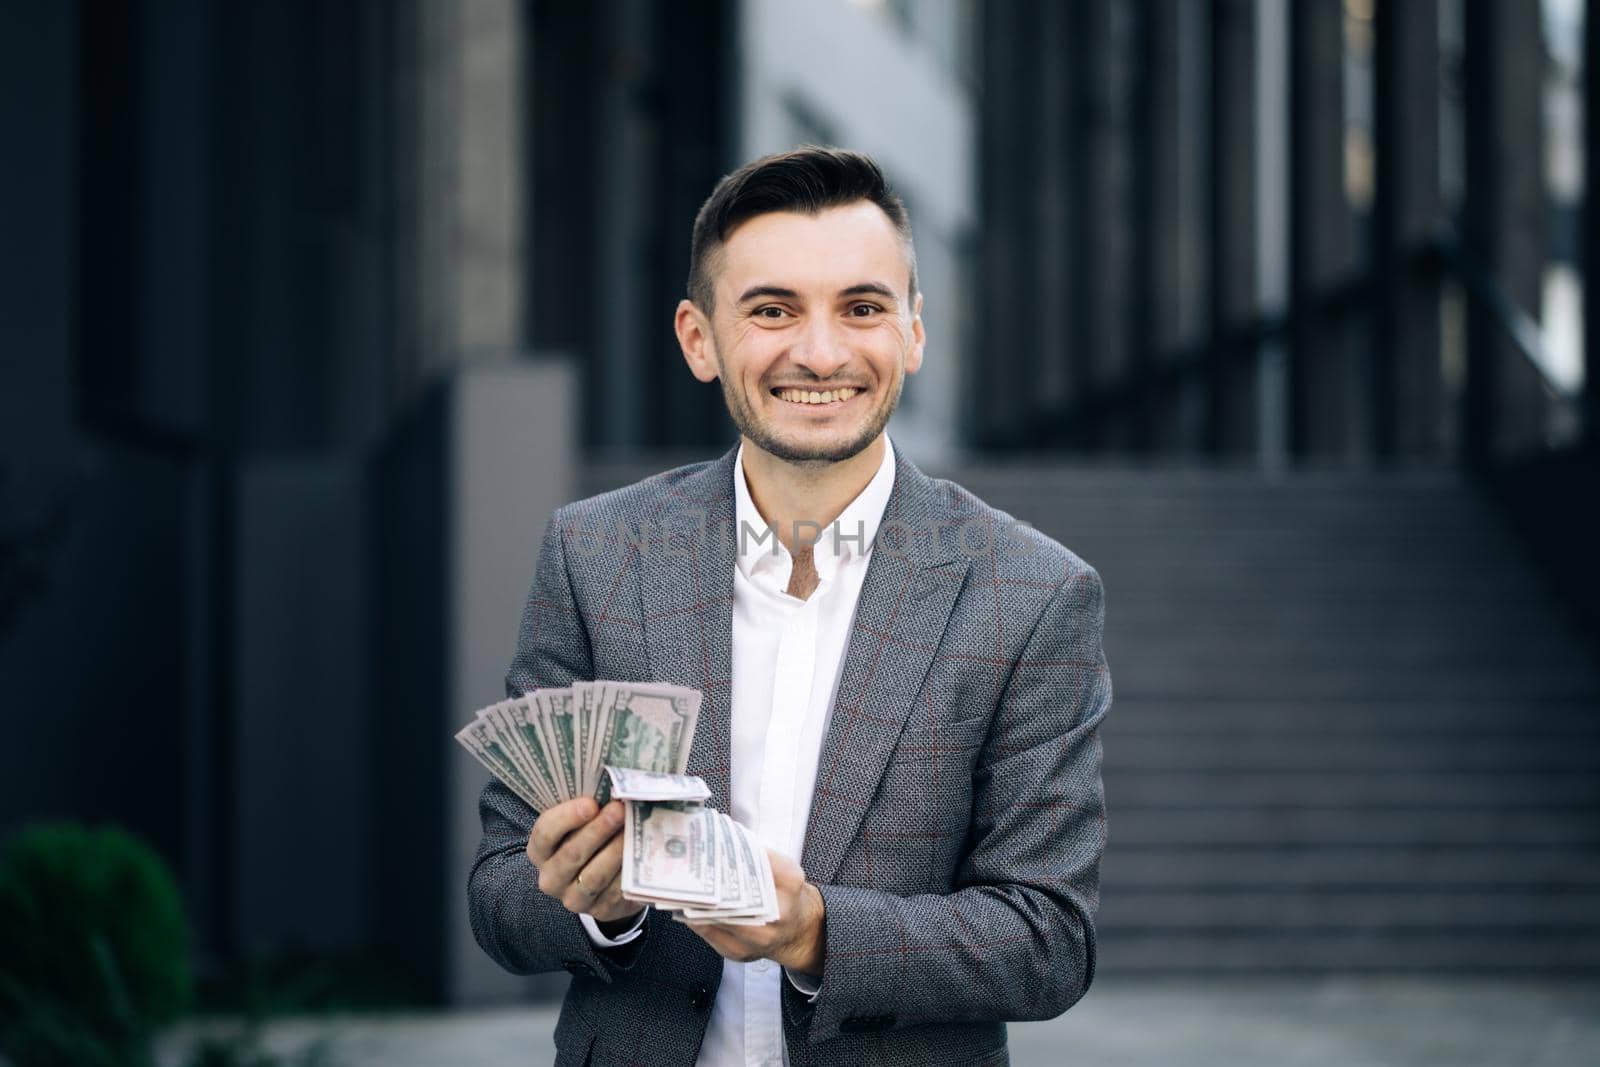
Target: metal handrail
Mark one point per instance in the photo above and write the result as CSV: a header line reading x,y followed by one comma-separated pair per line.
x,y
1444,253
1480,283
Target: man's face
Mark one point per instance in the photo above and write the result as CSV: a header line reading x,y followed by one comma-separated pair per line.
x,y
809,305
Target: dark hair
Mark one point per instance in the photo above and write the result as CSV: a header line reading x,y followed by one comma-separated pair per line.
x,y
808,180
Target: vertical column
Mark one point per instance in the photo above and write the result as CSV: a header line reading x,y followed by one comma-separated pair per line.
x,y
1008,367
1231,408
1172,279
1408,395
1272,231
458,192
1052,382
1503,227
1591,227
1321,257
628,195
1106,248
695,50
489,211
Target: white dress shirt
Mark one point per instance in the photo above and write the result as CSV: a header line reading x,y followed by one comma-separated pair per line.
x,y
788,655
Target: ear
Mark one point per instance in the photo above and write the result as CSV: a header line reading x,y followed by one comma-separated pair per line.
x,y
918,338
694,337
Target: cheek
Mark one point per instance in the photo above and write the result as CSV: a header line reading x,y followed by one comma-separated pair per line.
x,y
746,334
893,333
751,355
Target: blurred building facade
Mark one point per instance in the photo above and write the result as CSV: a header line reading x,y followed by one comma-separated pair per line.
x,y
315,310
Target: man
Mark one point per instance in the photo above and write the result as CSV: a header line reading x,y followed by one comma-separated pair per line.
x,y
903,688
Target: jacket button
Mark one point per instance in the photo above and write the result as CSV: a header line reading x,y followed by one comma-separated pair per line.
x,y
577,968
699,998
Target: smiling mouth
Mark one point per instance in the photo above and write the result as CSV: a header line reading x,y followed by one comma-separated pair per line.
x,y
820,398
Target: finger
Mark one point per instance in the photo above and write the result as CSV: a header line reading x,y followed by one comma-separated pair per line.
x,y
785,870
595,878
580,895
576,851
555,824
605,866
608,898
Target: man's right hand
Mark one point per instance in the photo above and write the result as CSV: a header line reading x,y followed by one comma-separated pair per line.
x,y
577,848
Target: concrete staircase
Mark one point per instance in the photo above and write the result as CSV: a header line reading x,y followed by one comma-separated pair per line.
x,y
1353,729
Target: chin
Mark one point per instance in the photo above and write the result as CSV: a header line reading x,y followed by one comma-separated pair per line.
x,y
821,447
798,448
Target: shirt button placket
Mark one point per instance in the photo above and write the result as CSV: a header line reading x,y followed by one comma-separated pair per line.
x,y
791,695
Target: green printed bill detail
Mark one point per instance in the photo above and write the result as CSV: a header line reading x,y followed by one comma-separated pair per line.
x,y
681,856
550,745
644,726
669,853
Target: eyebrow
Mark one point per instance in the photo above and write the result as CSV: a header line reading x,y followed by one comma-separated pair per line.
x,y
859,289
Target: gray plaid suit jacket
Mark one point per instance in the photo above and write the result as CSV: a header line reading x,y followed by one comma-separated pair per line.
x,y
959,815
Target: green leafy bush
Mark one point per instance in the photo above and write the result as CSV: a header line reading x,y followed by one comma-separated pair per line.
x,y
94,946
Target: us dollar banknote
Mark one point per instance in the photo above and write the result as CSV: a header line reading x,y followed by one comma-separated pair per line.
x,y
550,745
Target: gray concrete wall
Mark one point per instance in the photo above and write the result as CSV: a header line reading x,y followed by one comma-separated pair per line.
x,y
512,463
303,762
462,492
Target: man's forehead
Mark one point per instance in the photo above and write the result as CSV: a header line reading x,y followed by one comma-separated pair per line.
x,y
835,248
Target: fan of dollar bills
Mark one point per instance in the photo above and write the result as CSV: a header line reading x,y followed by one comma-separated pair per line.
x,y
630,741
549,746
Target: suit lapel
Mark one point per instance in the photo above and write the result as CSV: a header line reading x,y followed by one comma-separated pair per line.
x,y
906,599
686,589
685,570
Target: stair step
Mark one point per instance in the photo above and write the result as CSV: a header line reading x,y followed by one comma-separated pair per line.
x,y
1315,753
1205,869
1533,952
1267,650
1326,682
1327,910
1152,618
1296,826
1311,577
1505,719
1354,789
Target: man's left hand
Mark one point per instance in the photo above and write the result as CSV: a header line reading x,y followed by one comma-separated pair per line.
x,y
794,940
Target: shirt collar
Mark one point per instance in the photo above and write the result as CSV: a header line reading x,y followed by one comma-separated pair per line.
x,y
850,536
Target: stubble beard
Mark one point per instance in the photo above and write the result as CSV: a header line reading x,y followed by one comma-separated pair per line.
x,y
762,436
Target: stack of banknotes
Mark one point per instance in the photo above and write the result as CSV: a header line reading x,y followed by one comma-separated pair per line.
x,y
679,855
630,741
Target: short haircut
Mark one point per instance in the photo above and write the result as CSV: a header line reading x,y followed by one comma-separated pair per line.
x,y
807,180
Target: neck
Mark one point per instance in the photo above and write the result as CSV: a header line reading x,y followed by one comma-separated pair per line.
x,y
786,493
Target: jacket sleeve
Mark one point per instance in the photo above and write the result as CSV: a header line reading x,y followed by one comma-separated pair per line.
x,y
522,929
1016,939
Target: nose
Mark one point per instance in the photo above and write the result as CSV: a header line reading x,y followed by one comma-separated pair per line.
x,y
821,347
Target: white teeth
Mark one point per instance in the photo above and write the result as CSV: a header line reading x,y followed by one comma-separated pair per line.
x,y
804,396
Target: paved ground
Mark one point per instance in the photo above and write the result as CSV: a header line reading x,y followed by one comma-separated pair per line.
x,y
1282,1023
